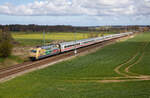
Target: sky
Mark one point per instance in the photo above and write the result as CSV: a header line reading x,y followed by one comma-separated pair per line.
x,y
75,12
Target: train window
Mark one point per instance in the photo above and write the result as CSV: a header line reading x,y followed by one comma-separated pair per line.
x,y
69,46
89,41
72,45
85,42
34,51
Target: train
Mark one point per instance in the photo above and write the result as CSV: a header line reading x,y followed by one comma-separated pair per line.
x,y
41,52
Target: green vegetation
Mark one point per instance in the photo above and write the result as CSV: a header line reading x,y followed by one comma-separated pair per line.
x,y
80,77
6,46
5,43
142,67
27,39
9,61
32,42
1,59
50,36
30,39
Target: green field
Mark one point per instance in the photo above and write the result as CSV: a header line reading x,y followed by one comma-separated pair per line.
x,y
83,77
50,36
37,38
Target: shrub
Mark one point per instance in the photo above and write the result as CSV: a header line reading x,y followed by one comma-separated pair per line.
x,y
5,44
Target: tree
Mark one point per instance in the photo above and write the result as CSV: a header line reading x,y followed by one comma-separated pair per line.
x,y
5,43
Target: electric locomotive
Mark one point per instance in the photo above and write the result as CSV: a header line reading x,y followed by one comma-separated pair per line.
x,y
44,51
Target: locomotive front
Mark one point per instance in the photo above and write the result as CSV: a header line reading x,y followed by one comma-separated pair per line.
x,y
33,53
44,51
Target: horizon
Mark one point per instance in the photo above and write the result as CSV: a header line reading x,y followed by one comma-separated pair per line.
x,y
71,25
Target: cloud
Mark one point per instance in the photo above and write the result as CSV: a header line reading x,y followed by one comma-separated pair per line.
x,y
96,8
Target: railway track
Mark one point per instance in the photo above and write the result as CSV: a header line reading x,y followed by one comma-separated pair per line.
x,y
11,71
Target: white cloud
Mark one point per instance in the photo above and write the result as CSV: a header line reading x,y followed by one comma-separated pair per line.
x,y
79,7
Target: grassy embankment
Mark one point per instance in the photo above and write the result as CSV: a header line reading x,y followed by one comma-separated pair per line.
x,y
80,77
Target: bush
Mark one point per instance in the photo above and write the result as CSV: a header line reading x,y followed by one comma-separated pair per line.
x,y
5,44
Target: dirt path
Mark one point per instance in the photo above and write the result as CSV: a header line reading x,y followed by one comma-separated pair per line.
x,y
128,75
140,58
127,80
127,68
117,69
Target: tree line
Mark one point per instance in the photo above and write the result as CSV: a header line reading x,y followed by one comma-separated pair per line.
x,y
69,28
41,28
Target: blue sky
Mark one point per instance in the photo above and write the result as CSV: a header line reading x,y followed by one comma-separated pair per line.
x,y
75,12
17,2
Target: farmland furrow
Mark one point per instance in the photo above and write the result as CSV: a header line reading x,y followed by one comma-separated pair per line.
x,y
117,69
140,58
128,74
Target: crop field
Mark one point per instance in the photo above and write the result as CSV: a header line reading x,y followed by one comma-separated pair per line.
x,y
119,70
37,38
51,36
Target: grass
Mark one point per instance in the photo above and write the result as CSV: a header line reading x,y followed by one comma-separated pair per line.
x,y
32,39
9,61
51,36
1,59
79,77
63,89
15,58
32,42
37,38
142,67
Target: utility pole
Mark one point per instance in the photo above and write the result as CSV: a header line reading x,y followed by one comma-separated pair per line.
x,y
75,50
44,38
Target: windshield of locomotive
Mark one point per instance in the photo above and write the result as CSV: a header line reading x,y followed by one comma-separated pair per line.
x,y
33,51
